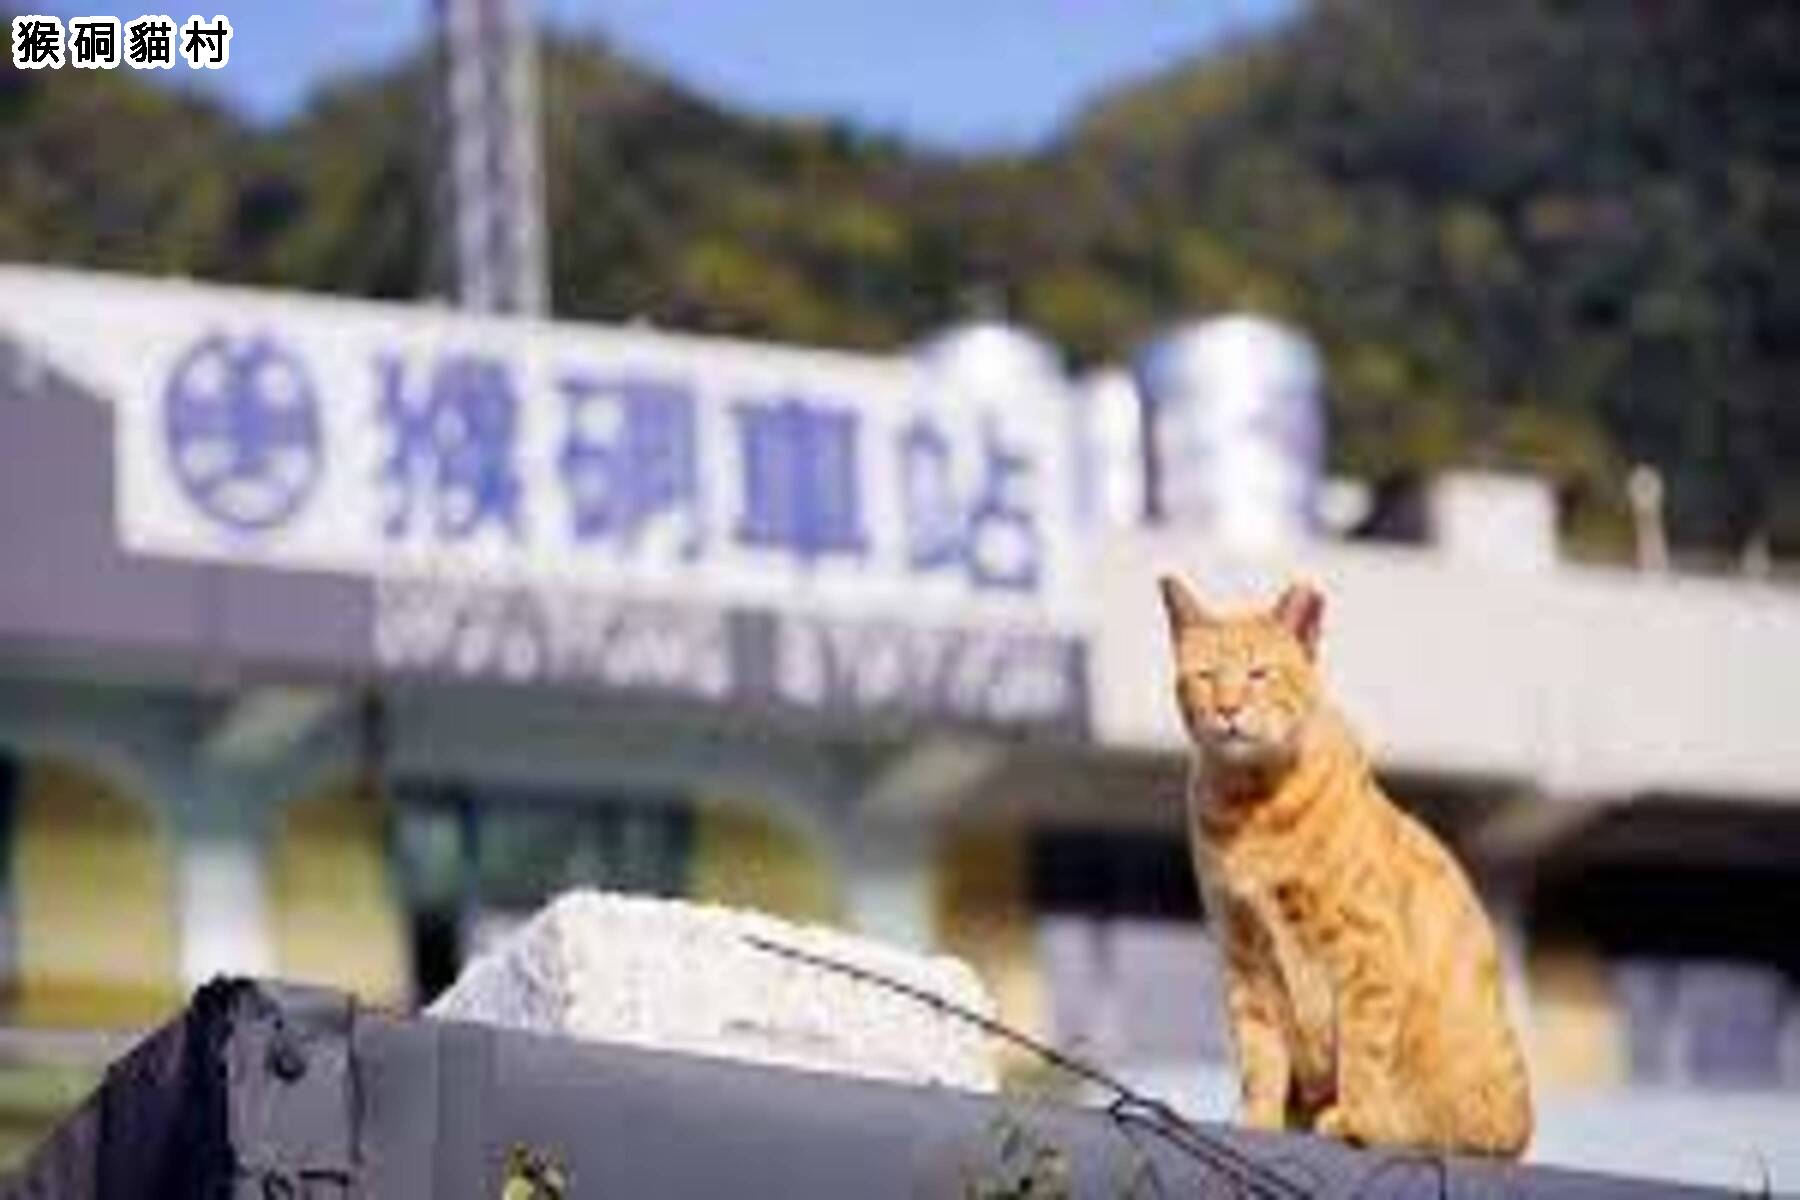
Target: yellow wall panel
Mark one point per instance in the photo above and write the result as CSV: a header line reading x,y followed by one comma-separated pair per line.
x,y
749,859
1577,1036
94,894
335,912
984,915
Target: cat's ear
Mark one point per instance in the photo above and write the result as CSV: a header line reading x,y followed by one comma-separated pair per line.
x,y
1301,610
1184,608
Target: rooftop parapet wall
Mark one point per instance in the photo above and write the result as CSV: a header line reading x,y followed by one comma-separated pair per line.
x,y
277,1091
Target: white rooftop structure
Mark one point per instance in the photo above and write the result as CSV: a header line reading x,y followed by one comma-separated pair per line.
x,y
1236,420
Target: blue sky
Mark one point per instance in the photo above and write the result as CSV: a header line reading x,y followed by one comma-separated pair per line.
x,y
967,74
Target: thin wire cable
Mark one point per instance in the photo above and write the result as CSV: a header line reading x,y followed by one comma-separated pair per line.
x,y
1128,1105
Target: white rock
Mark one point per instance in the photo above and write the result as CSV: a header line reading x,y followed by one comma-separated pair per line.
x,y
674,975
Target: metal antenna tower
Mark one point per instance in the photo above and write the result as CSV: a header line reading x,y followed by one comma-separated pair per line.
x,y
492,253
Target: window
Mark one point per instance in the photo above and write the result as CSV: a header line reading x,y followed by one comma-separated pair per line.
x,y
1131,973
1705,976
1709,1024
475,860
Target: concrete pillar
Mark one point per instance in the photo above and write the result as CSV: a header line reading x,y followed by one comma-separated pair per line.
x,y
221,891
889,879
223,914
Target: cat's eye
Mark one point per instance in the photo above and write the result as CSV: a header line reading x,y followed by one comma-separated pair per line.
x,y
1258,674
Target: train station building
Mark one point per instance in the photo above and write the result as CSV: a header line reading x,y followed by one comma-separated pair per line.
x,y
335,637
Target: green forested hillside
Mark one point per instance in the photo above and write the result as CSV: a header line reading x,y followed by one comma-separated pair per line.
x,y
1531,228
1548,232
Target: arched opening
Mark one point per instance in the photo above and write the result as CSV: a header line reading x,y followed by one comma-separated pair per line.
x,y
92,941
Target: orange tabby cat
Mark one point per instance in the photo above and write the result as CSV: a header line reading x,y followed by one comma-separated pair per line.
x,y
1361,975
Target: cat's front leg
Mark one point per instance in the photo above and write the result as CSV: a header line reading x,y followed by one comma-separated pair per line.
x,y
1254,1001
1264,1063
1370,986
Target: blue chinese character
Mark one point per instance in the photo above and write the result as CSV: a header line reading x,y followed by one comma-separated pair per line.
x,y
990,536
629,457
1003,540
800,479
242,424
451,450
934,516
